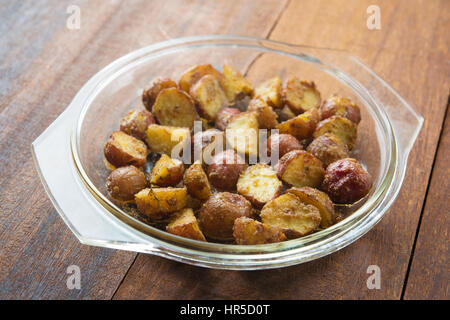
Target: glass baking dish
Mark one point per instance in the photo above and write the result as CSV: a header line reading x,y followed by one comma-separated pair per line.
x,y
69,154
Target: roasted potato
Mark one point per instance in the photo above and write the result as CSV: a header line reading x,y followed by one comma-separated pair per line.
x,y
194,74
340,106
205,144
135,123
167,172
284,114
318,199
243,132
259,184
225,169
299,168
291,216
346,181
284,142
300,95
224,117
175,108
270,92
162,139
185,224
124,182
235,85
267,118
196,182
122,149
160,203
302,126
247,231
328,148
217,215
340,127
149,95
209,96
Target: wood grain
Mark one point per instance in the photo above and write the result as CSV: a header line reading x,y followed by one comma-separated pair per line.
x,y
43,65
429,276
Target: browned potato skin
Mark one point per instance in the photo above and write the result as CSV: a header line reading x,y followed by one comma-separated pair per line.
x,y
346,181
318,199
124,182
270,92
167,172
135,123
328,148
247,231
341,127
217,215
209,97
224,117
267,118
235,85
291,216
285,142
225,170
117,150
158,84
185,224
309,175
160,203
194,74
302,126
340,106
294,92
196,182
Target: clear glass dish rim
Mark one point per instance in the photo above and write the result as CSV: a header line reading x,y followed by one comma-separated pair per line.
x,y
360,221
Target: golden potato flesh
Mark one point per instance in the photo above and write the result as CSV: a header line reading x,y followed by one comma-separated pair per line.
x,y
318,199
235,85
341,127
267,118
302,126
194,74
300,95
196,182
259,184
243,132
270,92
291,216
175,108
162,139
247,231
299,168
167,172
184,224
209,96
160,203
149,95
122,149
328,148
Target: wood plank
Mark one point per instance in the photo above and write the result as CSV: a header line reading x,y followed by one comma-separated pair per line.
x,y
409,57
429,276
46,64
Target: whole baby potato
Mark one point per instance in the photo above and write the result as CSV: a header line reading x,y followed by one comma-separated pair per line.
x,y
285,143
217,215
224,116
135,123
340,106
124,182
346,181
225,170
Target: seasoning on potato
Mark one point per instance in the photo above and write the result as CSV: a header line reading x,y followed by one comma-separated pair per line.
x,y
163,139
224,117
339,126
160,203
194,74
124,182
235,85
149,95
301,126
196,182
242,133
247,231
209,96
225,169
340,106
269,91
284,142
328,148
167,172
135,123
299,168
185,224
267,118
300,95
122,149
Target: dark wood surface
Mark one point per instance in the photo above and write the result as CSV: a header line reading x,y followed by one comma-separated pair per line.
x,y
43,65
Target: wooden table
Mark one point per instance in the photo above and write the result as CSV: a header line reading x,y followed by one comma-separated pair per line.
x,y
43,64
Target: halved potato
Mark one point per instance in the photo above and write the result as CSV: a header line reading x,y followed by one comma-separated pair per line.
x,y
328,148
300,95
194,74
259,184
209,96
302,126
235,85
270,92
196,182
318,199
158,84
159,203
122,149
341,127
247,231
135,123
167,172
175,108
299,168
267,118
185,224
162,139
242,133
291,216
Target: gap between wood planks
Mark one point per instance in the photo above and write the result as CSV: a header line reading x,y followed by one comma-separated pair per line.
x,y
411,257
